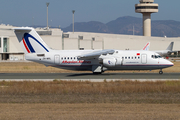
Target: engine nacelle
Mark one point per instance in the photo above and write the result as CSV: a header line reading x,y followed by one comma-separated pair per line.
x,y
109,62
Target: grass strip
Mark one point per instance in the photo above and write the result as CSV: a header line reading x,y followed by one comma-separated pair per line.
x,y
58,91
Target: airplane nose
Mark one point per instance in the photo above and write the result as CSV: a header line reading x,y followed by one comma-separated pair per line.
x,y
163,63
172,64
169,63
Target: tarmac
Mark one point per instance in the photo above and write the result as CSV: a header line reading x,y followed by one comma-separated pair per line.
x,y
88,76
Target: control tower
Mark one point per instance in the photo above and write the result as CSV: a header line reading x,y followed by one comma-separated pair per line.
x,y
146,7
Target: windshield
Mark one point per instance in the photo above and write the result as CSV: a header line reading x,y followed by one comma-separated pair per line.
x,y
156,56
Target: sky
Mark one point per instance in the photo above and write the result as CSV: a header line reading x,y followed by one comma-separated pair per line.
x,y
34,12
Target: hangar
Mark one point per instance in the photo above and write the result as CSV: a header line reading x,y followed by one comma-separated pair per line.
x,y
11,50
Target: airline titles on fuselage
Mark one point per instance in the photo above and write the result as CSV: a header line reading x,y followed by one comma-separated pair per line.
x,y
80,61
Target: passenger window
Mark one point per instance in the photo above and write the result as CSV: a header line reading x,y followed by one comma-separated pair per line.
x,y
135,57
62,58
138,57
125,57
122,57
71,58
74,58
129,57
65,58
132,57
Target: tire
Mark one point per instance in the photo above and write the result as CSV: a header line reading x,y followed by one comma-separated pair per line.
x,y
160,72
97,73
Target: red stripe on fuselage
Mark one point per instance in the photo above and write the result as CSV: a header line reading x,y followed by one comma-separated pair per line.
x,y
26,46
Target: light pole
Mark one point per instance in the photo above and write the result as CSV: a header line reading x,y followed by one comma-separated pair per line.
x,y
32,21
47,4
73,11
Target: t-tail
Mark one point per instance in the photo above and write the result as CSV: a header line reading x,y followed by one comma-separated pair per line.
x,y
30,41
170,47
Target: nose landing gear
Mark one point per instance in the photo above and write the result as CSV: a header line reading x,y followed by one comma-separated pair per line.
x,y
161,72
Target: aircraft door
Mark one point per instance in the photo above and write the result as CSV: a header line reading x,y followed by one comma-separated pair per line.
x,y
57,59
144,58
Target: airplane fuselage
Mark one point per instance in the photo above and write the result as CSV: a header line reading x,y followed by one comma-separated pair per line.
x,y
119,60
96,61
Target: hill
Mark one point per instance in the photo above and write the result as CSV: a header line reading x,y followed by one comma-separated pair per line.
x,y
124,25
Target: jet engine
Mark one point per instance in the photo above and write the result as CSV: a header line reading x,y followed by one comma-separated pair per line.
x,y
111,62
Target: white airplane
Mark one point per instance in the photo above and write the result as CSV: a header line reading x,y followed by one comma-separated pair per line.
x,y
96,61
166,52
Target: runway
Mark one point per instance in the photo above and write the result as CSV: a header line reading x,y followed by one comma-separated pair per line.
x,y
89,76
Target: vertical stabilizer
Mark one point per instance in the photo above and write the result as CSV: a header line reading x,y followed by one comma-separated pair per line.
x,y
146,47
30,41
170,47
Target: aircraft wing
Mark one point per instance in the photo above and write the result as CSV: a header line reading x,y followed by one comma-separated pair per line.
x,y
95,54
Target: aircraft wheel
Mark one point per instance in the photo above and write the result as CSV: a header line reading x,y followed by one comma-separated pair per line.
x,y
160,72
97,73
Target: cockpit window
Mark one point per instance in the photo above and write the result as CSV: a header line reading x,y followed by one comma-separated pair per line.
x,y
159,56
156,56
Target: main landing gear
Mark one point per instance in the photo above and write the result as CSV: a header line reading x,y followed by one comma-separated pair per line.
x,y
97,73
161,72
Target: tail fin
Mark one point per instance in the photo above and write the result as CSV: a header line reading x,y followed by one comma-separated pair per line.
x,y
30,41
170,47
146,47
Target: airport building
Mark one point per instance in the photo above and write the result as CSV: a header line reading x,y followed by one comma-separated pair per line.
x,y
10,48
